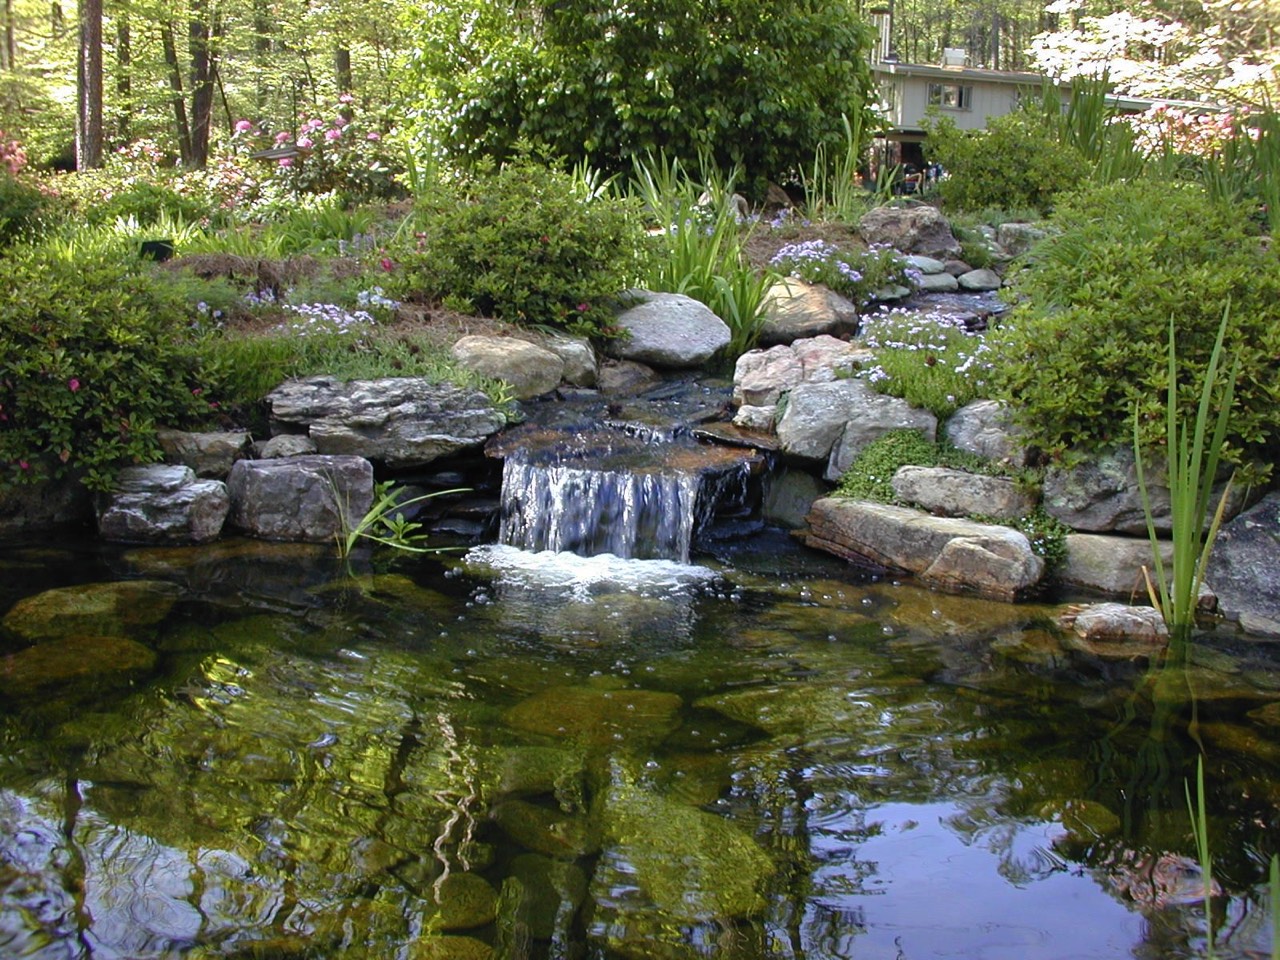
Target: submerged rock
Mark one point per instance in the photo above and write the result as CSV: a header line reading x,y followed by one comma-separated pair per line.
x,y
96,662
550,893
597,716
117,609
465,901
450,948
547,831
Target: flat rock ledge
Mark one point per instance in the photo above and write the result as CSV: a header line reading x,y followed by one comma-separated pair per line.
x,y
947,553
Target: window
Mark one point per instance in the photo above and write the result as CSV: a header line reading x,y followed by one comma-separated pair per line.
x,y
950,96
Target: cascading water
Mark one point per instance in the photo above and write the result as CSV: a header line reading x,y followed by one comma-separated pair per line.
x,y
607,489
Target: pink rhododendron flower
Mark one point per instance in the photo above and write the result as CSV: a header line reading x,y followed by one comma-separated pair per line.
x,y
286,161
282,136
243,126
332,134
346,98
306,143
73,384
387,264
373,135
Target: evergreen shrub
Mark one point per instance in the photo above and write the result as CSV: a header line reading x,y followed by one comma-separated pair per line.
x,y
1090,338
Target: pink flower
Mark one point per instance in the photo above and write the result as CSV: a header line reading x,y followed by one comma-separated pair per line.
x,y
584,307
306,143
312,125
243,126
332,134
23,465
373,135
387,264
346,98
340,121
282,137
286,161
73,384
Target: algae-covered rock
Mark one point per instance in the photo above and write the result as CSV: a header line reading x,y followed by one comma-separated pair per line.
x,y
692,865
507,770
795,708
543,830
57,664
103,609
550,893
597,716
465,901
450,948
1086,821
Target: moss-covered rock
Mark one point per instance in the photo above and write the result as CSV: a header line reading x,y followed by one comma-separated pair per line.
x,y
547,831
597,716
91,661
465,901
550,893
120,609
450,948
796,709
522,770
692,865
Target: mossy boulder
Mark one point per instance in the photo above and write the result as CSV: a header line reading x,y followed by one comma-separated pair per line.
x,y
547,831
120,609
465,901
692,865
598,715
56,665
796,709
450,948
522,770
549,894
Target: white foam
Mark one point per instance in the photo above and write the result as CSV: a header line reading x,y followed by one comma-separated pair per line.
x,y
583,577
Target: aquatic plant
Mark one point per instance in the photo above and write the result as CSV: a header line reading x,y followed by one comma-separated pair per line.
x,y
1192,468
385,522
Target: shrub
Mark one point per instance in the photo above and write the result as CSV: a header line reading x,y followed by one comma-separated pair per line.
x,y
92,359
1090,340
1015,162
528,247
20,208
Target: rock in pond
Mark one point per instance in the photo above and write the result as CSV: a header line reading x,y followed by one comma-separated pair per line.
x,y
529,369
120,609
597,716
1244,568
564,836
450,948
550,894
465,901
300,498
954,554
163,504
96,662
1115,631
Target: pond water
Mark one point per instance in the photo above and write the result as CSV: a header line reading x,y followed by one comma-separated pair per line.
x,y
255,750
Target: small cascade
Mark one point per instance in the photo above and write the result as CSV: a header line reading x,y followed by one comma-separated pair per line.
x,y
605,489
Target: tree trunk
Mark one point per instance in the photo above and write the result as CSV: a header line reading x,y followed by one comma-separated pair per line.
x,y
8,44
198,33
89,87
57,20
124,66
342,69
175,84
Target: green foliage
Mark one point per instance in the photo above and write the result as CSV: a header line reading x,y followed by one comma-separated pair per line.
x,y
144,203
870,475
929,360
701,248
854,275
386,522
1016,161
833,189
21,206
1191,468
524,245
92,359
1046,534
1088,341
744,82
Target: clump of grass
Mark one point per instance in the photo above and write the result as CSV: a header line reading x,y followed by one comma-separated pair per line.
x,y
930,360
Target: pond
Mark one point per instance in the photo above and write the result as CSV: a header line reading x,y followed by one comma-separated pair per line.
x,y
256,750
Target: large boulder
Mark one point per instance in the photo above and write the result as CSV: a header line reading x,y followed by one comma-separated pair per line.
x,y
530,370
761,377
669,330
115,609
401,421
985,428
1107,564
300,498
955,493
953,554
979,280
911,228
938,283
795,309
163,504
1244,568
581,366
208,454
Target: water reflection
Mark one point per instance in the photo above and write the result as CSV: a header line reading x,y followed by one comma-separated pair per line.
x,y
506,755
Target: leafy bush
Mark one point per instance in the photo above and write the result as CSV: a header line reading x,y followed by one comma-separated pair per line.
x,y
526,246
20,207
1090,339
930,360
745,82
143,202
1016,162
870,475
92,360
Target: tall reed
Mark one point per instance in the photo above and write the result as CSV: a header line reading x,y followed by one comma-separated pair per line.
x,y
1192,466
833,188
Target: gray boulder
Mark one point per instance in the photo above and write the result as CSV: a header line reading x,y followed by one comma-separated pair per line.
x,y
1115,631
163,504
287,445
926,265
955,493
938,283
1018,238
875,416
984,428
1111,565
953,554
530,370
816,415
401,421
980,280
669,330
911,228
208,454
300,498
1244,568
581,365
795,309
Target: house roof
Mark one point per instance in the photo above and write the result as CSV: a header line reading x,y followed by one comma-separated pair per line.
x,y
1011,77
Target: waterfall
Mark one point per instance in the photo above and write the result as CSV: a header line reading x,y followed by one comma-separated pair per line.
x,y
571,508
